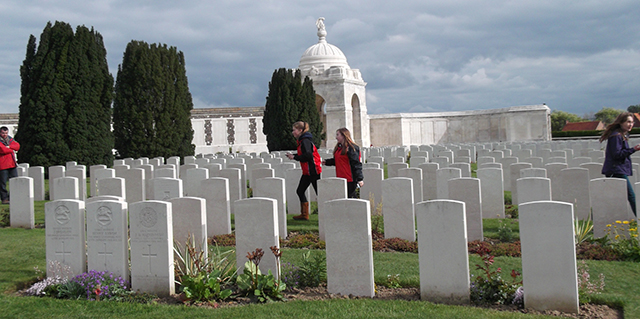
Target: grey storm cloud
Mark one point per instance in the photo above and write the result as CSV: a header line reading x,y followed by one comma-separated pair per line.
x,y
416,56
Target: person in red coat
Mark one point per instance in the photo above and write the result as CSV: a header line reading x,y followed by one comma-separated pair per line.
x,y
310,163
7,161
346,159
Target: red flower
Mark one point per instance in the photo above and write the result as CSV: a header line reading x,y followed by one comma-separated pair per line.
x,y
514,273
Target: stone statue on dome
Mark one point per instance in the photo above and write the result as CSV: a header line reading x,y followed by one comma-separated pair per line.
x,y
320,24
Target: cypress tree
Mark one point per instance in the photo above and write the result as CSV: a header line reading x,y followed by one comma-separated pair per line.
x,y
152,106
88,123
308,111
44,93
290,99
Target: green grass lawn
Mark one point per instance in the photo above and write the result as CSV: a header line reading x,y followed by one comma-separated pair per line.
x,y
21,250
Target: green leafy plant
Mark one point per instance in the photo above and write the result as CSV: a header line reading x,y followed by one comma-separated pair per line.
x,y
312,271
505,234
252,283
204,287
4,217
491,288
67,290
393,281
203,277
377,220
622,237
583,230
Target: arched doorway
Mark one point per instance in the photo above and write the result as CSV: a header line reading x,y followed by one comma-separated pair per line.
x,y
320,105
357,121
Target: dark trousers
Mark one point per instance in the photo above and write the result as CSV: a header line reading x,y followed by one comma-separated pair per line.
x,y
305,181
351,189
631,195
5,175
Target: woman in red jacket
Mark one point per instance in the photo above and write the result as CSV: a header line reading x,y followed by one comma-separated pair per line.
x,y
310,163
346,159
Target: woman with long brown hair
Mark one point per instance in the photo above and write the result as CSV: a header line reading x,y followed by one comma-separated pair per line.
x,y
310,162
617,159
346,158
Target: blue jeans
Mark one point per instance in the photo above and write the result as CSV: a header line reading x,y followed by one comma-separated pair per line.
x,y
5,175
631,195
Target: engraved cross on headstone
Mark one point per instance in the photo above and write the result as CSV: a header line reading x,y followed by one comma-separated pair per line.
x,y
105,253
63,253
149,256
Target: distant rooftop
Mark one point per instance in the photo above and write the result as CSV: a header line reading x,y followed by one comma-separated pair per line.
x,y
584,126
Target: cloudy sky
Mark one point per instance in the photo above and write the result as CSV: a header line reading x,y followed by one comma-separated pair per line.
x,y
415,55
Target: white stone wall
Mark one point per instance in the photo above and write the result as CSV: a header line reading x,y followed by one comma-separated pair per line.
x,y
520,123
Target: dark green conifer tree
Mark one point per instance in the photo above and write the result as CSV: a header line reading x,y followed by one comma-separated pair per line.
x,y
290,99
152,106
66,95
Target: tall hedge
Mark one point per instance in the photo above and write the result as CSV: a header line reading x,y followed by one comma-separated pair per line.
x,y
66,95
152,106
290,99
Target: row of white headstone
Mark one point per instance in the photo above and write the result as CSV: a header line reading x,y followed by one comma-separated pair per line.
x,y
441,226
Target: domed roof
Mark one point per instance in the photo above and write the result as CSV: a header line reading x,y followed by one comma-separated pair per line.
x,y
322,55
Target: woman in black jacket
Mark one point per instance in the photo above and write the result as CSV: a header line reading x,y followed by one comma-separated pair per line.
x,y
346,159
309,162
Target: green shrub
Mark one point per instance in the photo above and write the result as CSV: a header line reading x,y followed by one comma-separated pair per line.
x,y
312,271
254,284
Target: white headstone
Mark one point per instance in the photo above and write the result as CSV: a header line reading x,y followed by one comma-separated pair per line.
x,y
533,189
65,234
56,171
609,203
37,173
235,184
553,173
193,180
574,189
429,180
273,187
65,188
442,232
552,269
215,191
166,188
134,180
21,208
152,267
107,237
114,186
465,168
415,174
256,221
514,170
349,248
329,189
243,181
443,175
190,219
372,188
467,190
397,208
492,191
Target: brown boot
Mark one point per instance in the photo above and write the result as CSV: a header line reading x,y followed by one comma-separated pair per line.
x,y
304,212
